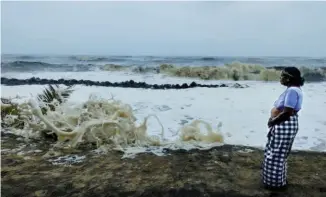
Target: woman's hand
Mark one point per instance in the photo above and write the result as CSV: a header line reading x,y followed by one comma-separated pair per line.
x,y
282,117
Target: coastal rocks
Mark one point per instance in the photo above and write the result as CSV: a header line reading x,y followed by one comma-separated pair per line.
x,y
124,84
236,85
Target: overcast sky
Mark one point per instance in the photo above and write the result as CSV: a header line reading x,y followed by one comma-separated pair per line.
x,y
165,28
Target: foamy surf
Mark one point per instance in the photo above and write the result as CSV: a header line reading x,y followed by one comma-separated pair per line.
x,y
243,112
107,122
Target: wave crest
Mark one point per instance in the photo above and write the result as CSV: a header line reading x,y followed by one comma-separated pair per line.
x,y
239,71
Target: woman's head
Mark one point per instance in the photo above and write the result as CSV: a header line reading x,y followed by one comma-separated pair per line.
x,y
291,76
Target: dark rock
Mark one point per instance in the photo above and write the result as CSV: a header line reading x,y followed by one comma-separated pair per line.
x,y
167,86
184,86
97,83
193,84
155,86
106,83
125,84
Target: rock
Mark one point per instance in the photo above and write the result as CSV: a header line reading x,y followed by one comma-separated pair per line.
x,y
124,84
193,84
184,86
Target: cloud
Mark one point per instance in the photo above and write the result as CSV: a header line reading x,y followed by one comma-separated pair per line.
x,y
165,28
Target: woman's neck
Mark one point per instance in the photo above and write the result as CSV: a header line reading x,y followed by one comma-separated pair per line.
x,y
293,86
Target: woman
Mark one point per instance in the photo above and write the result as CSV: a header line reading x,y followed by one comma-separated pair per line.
x,y
283,126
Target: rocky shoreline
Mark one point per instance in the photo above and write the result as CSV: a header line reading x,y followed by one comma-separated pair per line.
x,y
229,170
124,84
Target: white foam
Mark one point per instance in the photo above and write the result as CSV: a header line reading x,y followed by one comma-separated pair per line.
x,y
244,112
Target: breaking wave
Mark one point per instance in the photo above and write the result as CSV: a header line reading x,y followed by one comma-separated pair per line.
x,y
206,68
239,71
233,71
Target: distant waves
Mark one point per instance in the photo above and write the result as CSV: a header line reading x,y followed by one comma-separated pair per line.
x,y
200,67
30,66
234,71
154,61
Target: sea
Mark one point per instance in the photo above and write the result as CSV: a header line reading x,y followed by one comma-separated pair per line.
x,y
84,63
177,108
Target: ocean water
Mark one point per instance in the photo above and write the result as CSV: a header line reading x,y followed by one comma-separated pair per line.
x,y
72,63
175,108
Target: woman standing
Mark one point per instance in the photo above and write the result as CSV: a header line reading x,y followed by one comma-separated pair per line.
x,y
283,126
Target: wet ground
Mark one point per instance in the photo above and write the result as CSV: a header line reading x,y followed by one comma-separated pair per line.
x,y
230,171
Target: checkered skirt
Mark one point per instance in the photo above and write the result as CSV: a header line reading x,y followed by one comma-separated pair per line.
x,y
278,147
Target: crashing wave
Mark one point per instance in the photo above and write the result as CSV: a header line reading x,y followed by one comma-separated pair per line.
x,y
240,71
230,71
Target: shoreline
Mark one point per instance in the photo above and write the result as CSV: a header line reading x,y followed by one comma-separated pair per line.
x,y
227,170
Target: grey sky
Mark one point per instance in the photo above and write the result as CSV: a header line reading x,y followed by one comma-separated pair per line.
x,y
165,28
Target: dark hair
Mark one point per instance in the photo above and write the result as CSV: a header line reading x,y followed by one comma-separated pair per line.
x,y
294,76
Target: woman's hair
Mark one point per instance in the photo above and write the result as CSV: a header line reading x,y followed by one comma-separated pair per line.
x,y
294,76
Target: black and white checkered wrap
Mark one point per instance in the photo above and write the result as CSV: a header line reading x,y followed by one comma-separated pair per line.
x,y
278,147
